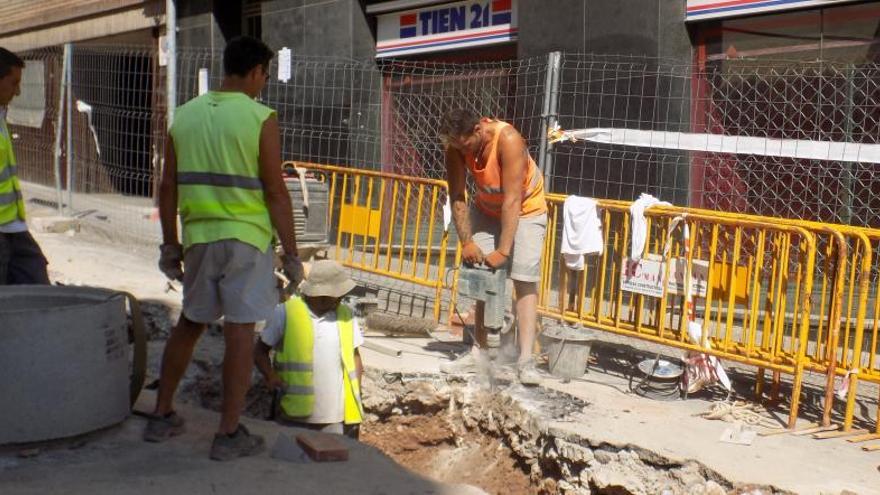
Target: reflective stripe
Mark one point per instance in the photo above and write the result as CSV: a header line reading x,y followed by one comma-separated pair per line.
x,y
491,190
10,197
353,375
293,366
8,172
218,180
299,390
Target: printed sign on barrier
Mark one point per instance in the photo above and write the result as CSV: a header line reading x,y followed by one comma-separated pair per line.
x,y
645,276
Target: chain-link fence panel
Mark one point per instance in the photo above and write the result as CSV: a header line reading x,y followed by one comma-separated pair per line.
x,y
606,92
734,135
117,139
384,116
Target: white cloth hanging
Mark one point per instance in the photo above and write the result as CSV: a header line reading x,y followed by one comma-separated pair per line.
x,y
581,231
639,227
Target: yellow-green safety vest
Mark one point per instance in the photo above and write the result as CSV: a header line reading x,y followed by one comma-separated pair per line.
x,y
217,146
11,200
294,363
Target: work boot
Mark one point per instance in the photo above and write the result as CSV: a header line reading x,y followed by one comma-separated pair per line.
x,y
466,363
160,428
238,444
527,373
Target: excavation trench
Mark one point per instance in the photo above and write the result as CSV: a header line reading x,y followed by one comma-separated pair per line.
x,y
504,440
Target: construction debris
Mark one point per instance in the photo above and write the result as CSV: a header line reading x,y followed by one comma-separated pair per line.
x,y
817,429
836,434
864,438
383,349
738,434
322,447
398,326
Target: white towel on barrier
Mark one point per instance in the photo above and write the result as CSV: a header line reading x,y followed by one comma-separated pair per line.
x,y
581,231
639,227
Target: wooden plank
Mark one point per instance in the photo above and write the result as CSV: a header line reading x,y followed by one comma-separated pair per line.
x,y
872,447
322,447
781,431
837,434
817,429
864,438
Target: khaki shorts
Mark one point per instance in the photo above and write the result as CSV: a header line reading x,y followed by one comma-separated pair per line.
x,y
528,243
228,278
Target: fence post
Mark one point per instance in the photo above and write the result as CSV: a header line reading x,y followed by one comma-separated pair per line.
x,y
846,189
549,113
171,69
68,74
59,123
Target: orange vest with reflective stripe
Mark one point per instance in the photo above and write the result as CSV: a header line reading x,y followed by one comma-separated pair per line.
x,y
490,195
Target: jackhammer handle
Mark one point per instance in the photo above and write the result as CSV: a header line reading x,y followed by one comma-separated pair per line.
x,y
480,266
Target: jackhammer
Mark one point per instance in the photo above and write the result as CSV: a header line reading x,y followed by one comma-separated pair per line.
x,y
489,286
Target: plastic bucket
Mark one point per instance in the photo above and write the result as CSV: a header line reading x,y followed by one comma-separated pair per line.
x,y
568,350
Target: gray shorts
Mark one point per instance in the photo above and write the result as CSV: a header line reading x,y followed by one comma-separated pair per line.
x,y
528,243
228,278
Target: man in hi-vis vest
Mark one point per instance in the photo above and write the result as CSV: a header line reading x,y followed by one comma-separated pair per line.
x,y
21,260
223,173
317,364
506,224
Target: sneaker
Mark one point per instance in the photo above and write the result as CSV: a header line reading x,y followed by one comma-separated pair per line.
x,y
527,373
466,363
238,444
160,428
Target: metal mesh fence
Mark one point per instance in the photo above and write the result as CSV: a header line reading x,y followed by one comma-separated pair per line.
x,y
116,138
621,92
384,116
807,102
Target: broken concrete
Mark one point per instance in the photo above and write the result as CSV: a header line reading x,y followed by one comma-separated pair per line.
x,y
522,418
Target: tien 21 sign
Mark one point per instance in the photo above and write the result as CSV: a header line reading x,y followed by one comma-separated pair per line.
x,y
446,27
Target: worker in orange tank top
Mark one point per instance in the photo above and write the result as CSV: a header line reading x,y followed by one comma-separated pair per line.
x,y
505,226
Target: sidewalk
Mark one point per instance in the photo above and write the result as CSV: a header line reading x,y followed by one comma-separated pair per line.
x,y
117,462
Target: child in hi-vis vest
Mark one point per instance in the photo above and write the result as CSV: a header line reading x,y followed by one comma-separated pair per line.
x,y
317,367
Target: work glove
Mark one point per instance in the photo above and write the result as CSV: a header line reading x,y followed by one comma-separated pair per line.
x,y
293,270
495,260
274,383
171,261
471,253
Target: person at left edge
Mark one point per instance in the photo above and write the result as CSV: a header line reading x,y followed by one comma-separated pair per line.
x,y
21,260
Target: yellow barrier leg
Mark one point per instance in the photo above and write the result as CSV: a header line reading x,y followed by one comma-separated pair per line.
x,y
759,385
774,389
796,393
851,402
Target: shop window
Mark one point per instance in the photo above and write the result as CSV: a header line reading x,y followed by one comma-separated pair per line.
x,y
849,33
806,75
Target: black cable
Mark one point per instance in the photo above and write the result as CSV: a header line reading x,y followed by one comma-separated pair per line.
x,y
650,387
